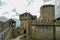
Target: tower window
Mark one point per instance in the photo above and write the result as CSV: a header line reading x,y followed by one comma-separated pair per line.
x,y
41,20
38,20
48,20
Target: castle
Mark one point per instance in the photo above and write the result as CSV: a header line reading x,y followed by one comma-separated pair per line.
x,y
46,27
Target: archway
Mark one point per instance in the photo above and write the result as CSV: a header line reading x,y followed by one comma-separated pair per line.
x,y
25,33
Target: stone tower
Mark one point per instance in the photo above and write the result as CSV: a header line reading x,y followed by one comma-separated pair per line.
x,y
47,13
12,24
24,20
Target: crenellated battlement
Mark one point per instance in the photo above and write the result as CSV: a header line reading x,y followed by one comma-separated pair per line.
x,y
47,12
46,6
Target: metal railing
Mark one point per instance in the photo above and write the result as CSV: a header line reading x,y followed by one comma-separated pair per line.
x,y
4,33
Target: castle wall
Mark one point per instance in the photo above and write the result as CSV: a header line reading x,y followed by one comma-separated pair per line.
x,y
42,32
58,32
3,25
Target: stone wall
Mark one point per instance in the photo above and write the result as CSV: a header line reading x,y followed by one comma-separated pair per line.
x,y
58,32
43,34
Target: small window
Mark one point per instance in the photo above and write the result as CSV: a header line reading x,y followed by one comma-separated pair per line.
x,y
38,20
41,20
31,22
48,20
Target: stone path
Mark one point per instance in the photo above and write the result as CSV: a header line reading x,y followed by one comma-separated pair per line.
x,y
21,37
18,38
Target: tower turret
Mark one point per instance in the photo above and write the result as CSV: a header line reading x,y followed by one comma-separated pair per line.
x,y
47,13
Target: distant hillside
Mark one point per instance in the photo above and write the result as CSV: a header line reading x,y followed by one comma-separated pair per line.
x,y
3,19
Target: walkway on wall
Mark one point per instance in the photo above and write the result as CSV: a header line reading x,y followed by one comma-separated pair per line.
x,y
5,33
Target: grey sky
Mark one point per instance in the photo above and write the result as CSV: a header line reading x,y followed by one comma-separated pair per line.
x,y
13,8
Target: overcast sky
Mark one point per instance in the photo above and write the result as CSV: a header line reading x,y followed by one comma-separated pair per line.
x,y
13,8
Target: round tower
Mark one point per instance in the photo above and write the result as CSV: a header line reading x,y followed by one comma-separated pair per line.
x,y
47,13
